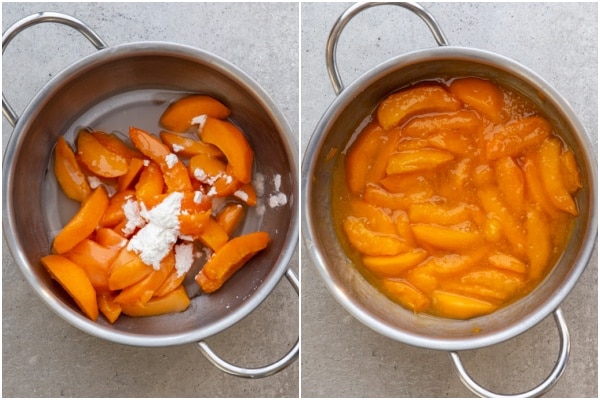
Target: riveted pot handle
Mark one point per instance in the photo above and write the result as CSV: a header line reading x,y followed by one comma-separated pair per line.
x,y
260,372
38,18
543,387
350,13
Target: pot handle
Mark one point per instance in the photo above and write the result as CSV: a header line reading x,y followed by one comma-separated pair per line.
x,y
34,19
350,13
543,387
260,372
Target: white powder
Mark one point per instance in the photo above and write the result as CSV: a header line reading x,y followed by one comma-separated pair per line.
x,y
200,175
154,241
240,194
277,199
277,182
200,120
184,258
259,184
131,208
171,159
94,182
146,162
198,197
177,148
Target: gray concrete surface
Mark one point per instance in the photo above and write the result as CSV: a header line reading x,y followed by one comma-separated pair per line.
x,y
44,356
343,358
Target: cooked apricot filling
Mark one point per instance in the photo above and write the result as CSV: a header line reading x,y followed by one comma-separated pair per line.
x,y
456,197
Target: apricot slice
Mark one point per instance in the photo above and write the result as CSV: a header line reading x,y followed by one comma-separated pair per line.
x,y
247,194
570,171
173,281
539,244
482,96
229,259
232,142
75,282
391,266
150,183
193,224
373,143
187,147
174,301
511,182
463,121
438,214
83,223
398,107
99,159
445,237
378,196
534,187
550,172
117,145
372,243
114,212
95,260
110,238
504,283
108,307
507,262
178,116
452,305
213,235
127,269
407,295
417,160
142,291
69,175
230,217
514,137
377,219
135,167
214,173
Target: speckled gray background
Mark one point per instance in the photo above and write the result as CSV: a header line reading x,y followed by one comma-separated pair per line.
x,y
343,358
44,356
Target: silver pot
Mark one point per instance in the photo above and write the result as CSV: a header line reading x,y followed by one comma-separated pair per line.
x,y
357,101
101,87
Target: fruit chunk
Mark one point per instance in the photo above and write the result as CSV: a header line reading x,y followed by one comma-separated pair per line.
x,y
174,301
229,259
407,295
539,245
178,116
512,138
481,95
75,281
108,307
232,142
95,260
452,305
370,242
99,159
549,167
398,107
83,223
417,160
445,237
570,172
68,173
394,265
127,269
230,217
463,121
511,182
187,147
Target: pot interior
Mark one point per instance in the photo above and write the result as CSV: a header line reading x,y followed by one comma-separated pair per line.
x,y
367,304
131,85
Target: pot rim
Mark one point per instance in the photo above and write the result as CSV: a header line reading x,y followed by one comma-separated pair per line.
x,y
317,140
150,48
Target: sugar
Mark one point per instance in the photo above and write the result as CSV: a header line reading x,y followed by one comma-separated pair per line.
x,y
171,159
184,258
277,199
200,120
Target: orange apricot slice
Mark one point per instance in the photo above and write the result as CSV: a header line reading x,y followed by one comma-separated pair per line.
x,y
69,175
83,223
114,212
178,116
534,187
110,238
214,173
108,307
127,269
173,281
185,146
507,262
143,290
433,213
550,172
230,217
480,95
452,305
213,235
229,259
369,242
514,137
150,183
95,260
398,107
511,182
116,144
407,295
417,160
232,142
391,266
444,237
75,281
175,301
462,121
99,159
135,167
570,171
539,244
377,219
193,224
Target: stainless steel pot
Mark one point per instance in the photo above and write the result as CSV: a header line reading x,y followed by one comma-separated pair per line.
x,y
105,86
357,101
